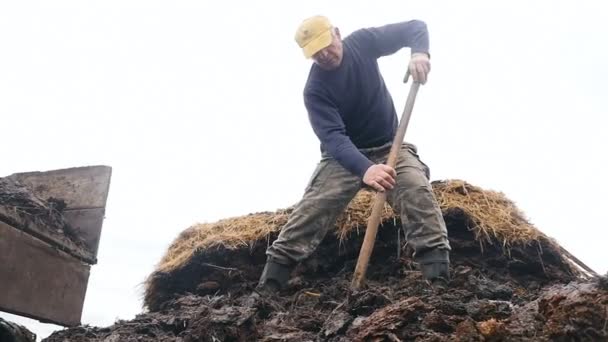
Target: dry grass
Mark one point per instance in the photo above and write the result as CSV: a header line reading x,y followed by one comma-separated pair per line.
x,y
230,233
357,213
493,218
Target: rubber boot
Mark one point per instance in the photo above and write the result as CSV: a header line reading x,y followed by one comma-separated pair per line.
x,y
435,267
437,274
274,277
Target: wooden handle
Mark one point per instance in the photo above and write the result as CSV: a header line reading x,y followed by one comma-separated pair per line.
x,y
380,199
407,76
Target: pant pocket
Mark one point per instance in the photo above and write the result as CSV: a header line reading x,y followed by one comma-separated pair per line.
x,y
411,149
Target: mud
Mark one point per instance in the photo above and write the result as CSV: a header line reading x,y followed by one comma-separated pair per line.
x,y
525,293
12,332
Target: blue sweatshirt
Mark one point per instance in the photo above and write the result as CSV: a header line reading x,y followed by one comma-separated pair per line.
x,y
350,107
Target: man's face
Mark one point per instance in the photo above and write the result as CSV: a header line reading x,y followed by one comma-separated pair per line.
x,y
330,57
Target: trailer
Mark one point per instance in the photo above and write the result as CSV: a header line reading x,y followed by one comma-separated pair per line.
x,y
50,227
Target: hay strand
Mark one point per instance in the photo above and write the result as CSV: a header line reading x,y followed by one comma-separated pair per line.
x,y
229,233
492,216
493,219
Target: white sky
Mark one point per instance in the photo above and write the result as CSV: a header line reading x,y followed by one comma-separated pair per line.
x,y
197,107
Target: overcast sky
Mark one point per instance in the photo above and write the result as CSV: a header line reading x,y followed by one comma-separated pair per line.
x,y
197,107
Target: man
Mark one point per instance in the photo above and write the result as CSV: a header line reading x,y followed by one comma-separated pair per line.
x,y
352,114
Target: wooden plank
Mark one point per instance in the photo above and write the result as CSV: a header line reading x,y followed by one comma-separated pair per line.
x,y
39,281
80,187
85,192
51,236
87,223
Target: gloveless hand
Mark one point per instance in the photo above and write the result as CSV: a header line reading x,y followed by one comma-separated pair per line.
x,y
381,177
419,67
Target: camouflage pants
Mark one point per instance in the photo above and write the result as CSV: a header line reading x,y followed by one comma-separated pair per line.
x,y
332,187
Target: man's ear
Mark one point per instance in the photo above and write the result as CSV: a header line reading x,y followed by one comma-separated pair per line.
x,y
337,31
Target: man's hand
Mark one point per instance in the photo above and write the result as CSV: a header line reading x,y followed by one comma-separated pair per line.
x,y
419,67
380,177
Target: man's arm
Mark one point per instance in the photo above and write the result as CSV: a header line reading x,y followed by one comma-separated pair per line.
x,y
329,128
388,39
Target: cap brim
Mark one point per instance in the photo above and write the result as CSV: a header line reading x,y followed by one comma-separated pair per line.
x,y
317,44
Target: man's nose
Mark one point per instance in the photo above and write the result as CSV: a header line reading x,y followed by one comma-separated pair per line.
x,y
323,54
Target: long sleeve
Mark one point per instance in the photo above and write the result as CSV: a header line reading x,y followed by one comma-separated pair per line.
x,y
388,39
329,128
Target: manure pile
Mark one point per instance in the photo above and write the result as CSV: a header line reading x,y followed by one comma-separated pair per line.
x,y
509,282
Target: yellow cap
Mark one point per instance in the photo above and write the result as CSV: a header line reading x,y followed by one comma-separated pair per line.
x,y
314,34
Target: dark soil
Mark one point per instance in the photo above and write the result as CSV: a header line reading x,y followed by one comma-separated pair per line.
x,y
12,332
527,293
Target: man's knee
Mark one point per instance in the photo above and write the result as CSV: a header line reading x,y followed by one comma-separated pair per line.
x,y
412,177
415,199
